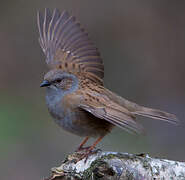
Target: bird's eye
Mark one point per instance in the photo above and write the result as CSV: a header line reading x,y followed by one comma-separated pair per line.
x,y
58,80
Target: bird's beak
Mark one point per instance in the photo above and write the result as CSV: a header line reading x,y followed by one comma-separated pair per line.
x,y
45,83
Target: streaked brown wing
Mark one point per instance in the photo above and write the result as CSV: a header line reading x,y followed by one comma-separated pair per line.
x,y
106,109
141,110
67,46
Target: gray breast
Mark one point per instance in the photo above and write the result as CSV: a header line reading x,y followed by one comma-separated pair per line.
x,y
54,103
64,117
75,121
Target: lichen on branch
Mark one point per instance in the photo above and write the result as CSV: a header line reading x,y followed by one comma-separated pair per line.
x,y
117,166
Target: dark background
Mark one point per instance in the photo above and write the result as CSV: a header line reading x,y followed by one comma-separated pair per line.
x,y
143,47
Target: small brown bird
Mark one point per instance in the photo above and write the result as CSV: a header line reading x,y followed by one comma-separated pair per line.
x,y
75,95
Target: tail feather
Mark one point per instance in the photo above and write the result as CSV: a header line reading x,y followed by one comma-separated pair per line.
x,y
157,114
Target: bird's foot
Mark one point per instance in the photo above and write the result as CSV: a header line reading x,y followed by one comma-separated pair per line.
x,y
82,149
79,155
88,153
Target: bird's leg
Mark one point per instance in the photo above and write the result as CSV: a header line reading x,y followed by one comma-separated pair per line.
x,y
82,144
89,150
95,143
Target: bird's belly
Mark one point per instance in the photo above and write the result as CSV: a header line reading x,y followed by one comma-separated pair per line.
x,y
80,122
69,122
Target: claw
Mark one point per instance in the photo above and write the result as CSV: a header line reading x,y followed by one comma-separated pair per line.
x,y
82,149
87,154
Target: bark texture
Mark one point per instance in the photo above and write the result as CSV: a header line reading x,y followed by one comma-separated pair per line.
x,y
118,166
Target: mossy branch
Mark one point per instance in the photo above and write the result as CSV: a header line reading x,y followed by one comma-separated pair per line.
x,y
118,166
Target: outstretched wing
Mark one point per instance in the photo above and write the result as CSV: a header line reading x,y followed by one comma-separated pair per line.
x,y
67,46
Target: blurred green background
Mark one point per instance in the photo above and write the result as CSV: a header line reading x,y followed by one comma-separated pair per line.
x,y
143,47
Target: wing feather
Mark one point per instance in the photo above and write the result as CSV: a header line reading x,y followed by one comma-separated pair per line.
x,y
103,108
115,117
64,41
143,111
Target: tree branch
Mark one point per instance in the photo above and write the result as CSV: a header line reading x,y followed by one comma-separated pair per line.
x,y
114,166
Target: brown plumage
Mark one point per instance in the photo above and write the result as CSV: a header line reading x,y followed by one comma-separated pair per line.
x,y
76,97
67,45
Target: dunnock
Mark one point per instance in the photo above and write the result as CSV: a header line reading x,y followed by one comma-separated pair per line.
x,y
75,95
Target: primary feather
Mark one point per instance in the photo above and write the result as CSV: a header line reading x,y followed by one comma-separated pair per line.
x,y
136,109
67,46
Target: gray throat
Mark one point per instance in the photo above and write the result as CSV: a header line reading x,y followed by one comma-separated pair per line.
x,y
55,95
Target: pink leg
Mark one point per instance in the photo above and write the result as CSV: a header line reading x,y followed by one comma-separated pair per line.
x,y
95,143
82,143
89,150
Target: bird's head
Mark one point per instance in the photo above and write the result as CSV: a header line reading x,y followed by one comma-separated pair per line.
x,y
58,80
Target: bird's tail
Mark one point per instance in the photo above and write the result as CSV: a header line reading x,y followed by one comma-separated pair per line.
x,y
156,114
136,109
